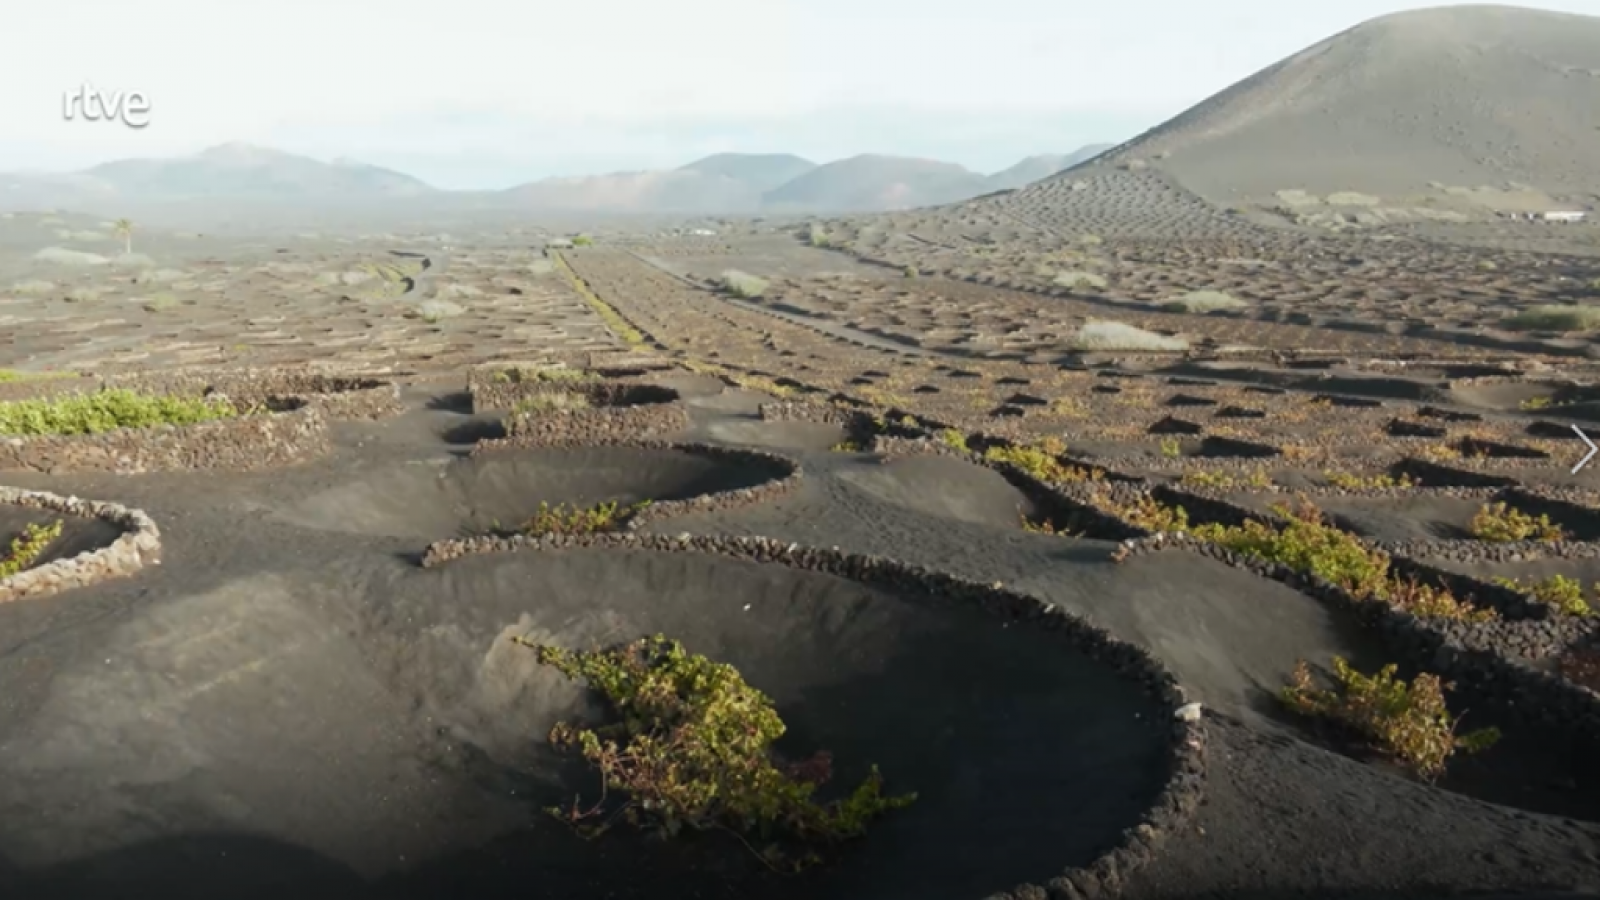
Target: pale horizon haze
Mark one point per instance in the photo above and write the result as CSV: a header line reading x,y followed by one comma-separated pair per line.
x,y
479,94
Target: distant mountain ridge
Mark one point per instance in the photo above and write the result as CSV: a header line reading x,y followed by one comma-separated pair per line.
x,y
1037,168
246,170
872,182
724,183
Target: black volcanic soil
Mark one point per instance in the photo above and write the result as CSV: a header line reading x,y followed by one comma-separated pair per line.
x,y
445,496
288,707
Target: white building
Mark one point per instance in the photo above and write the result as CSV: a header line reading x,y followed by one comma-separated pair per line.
x,y
1566,216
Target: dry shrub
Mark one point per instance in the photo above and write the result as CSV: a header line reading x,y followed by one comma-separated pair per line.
x,y
690,749
1144,511
1409,722
1106,335
1046,526
544,374
1076,280
743,284
1555,317
1307,544
1227,481
1203,302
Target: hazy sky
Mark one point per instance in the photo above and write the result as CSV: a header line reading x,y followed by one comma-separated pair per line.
x,y
487,93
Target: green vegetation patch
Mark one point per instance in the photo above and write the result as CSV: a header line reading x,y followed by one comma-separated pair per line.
x,y
1309,545
1503,524
691,749
8,376
597,519
108,410
556,401
27,547
1409,722
1043,462
1563,594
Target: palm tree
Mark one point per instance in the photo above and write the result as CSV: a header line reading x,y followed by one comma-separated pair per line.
x,y
124,229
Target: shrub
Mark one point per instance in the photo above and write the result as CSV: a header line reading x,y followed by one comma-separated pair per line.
x,y
133,261
435,311
1554,317
1503,524
1042,464
582,240
1227,481
1438,452
1558,591
846,447
1203,302
1536,403
27,547
743,284
160,302
1307,544
691,749
950,437
1105,335
817,236
1047,527
1407,721
1431,601
565,519
1353,482
1145,512
1171,448
108,410
1076,280
61,256
33,287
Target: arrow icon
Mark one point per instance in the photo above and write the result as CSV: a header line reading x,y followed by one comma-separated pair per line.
x,y
1587,456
